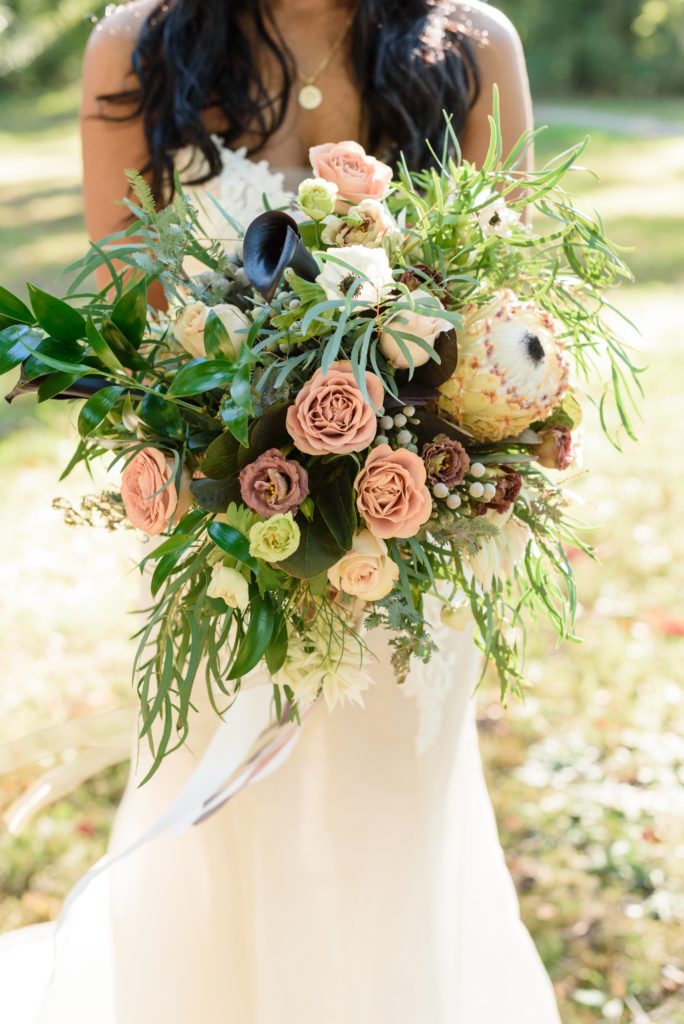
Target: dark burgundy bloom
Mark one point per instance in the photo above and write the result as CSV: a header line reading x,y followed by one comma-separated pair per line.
x,y
508,486
273,484
446,461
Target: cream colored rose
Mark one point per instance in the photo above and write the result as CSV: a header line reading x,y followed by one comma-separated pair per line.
x,y
230,585
188,329
366,571
366,224
407,324
317,197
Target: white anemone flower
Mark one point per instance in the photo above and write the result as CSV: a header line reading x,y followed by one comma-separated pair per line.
x,y
356,267
496,217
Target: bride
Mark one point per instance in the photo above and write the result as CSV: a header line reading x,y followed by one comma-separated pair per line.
x,y
362,880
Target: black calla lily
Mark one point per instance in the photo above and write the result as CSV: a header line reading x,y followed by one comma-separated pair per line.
x,y
272,244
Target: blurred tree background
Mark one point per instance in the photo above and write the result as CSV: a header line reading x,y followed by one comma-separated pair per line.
x,y
611,47
587,775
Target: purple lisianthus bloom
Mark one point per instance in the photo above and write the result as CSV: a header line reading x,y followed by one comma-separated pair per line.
x,y
273,484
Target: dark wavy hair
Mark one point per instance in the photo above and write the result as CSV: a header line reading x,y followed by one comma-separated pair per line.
x,y
411,60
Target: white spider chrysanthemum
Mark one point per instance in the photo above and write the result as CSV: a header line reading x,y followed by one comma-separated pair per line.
x,y
327,663
499,555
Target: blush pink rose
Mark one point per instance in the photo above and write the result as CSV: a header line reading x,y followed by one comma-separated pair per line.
x,y
347,165
148,507
391,494
330,414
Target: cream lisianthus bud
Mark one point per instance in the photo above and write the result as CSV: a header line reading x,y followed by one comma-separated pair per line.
x,y
366,571
317,197
230,585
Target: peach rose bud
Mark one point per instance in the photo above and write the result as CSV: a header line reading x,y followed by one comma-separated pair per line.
x,y
391,493
366,572
406,323
330,414
347,165
149,507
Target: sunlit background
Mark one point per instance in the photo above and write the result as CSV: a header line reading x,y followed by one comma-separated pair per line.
x,y
588,774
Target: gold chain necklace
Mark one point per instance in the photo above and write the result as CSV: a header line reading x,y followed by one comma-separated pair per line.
x,y
310,95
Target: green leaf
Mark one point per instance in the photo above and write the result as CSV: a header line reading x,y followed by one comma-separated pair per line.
x,y
57,355
100,347
332,488
256,639
240,390
217,341
162,416
221,458
96,408
12,348
55,384
201,375
276,652
14,309
268,431
124,351
232,541
130,313
317,550
237,421
215,495
56,316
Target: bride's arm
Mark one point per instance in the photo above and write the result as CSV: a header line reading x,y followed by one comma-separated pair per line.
x,y
110,147
501,62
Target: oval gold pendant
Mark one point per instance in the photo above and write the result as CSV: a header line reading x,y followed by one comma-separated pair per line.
x,y
310,97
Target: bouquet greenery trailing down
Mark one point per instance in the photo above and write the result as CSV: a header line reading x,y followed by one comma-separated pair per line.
x,y
370,399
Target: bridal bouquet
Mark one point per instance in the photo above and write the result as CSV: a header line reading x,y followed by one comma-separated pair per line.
x,y
372,398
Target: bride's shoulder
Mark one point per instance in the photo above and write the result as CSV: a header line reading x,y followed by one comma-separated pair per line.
x,y
486,26
110,47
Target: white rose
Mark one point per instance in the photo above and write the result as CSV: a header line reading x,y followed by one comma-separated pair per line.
x,y
343,267
420,325
366,224
317,197
188,330
230,585
366,571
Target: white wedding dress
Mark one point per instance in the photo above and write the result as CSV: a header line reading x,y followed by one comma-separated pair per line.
x,y
361,882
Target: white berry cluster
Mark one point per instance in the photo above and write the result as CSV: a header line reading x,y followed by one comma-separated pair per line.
x,y
395,429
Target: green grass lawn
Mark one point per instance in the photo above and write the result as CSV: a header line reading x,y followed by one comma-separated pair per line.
x,y
587,775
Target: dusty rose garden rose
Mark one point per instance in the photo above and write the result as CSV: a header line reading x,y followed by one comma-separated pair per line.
x,y
148,507
347,165
366,571
330,414
391,492
446,461
273,484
